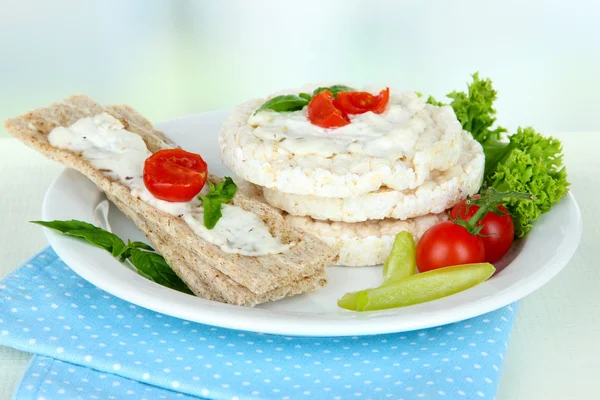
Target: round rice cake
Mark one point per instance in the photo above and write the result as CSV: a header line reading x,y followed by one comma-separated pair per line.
x,y
441,191
364,243
399,149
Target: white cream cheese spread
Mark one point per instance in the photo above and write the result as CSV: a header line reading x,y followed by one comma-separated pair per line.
x,y
401,148
120,155
406,126
390,135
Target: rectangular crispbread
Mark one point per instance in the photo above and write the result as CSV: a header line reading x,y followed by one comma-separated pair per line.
x,y
259,275
185,263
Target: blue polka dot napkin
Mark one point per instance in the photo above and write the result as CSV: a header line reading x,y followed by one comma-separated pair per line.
x,y
48,378
92,345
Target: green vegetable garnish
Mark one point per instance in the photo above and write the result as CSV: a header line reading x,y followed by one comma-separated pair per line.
x,y
418,288
221,193
529,162
149,264
94,235
401,262
335,89
288,102
292,102
475,110
523,162
348,301
432,100
154,267
305,96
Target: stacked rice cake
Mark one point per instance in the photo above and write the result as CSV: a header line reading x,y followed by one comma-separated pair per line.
x,y
357,186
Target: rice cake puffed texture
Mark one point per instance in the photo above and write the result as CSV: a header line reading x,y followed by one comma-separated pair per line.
x,y
443,190
364,243
399,149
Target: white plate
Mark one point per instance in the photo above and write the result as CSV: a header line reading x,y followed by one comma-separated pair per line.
x,y
532,262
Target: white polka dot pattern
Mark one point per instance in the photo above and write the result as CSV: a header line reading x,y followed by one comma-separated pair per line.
x,y
50,379
47,309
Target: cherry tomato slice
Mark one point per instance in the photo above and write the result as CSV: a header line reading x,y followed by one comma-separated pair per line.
x,y
361,102
322,112
447,244
175,175
497,233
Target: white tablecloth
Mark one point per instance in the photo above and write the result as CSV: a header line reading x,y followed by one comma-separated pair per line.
x,y
554,351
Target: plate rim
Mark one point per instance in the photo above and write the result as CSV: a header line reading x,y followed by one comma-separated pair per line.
x,y
261,320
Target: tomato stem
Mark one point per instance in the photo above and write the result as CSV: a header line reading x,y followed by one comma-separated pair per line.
x,y
487,203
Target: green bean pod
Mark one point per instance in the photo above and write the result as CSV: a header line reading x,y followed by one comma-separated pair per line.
x,y
401,263
418,288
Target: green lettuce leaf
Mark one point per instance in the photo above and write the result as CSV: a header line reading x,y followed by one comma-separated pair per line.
x,y
477,115
475,110
530,163
523,162
433,101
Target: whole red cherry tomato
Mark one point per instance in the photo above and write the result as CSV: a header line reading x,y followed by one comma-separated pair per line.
x,y
322,111
498,231
472,236
361,102
175,175
447,244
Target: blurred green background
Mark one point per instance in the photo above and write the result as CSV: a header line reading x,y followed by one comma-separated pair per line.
x,y
172,58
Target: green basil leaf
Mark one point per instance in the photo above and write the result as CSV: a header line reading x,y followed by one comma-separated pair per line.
x,y
141,245
226,188
212,211
148,264
154,267
223,192
335,89
66,226
288,102
94,235
306,96
125,253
